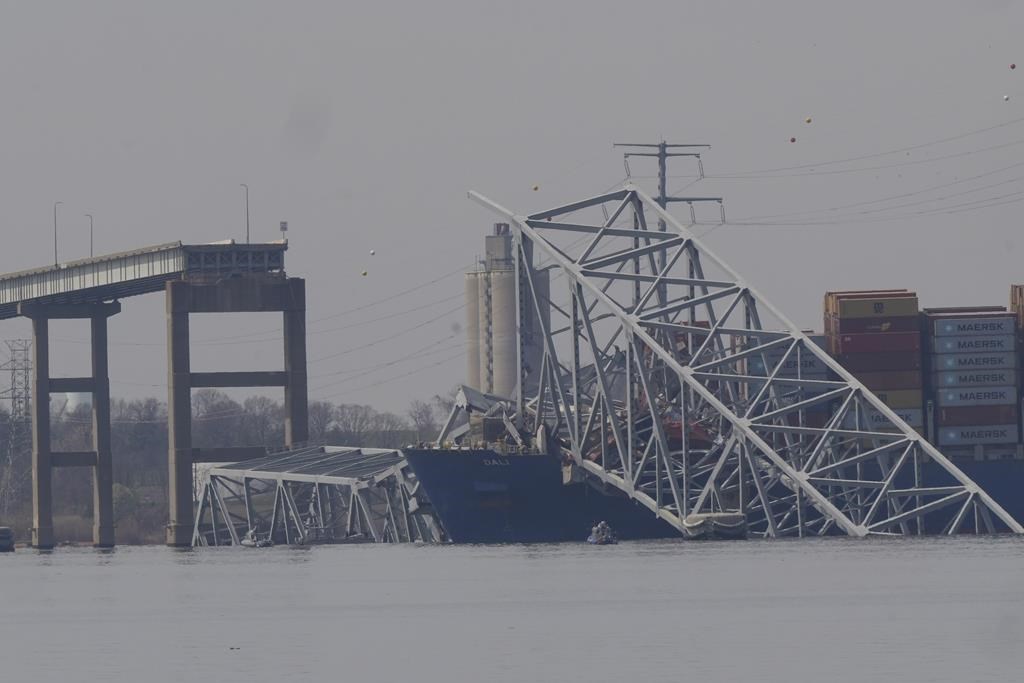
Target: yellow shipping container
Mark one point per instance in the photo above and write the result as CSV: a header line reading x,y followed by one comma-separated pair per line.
x,y
901,398
878,308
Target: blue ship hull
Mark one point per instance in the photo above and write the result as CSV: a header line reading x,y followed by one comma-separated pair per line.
x,y
485,497
1001,479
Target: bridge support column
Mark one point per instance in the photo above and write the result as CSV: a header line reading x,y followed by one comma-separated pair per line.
x,y
42,489
43,458
250,294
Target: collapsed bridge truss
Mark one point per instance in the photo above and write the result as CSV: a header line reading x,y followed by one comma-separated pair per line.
x,y
321,494
666,375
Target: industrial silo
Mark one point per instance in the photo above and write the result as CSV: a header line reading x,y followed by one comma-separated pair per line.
x,y
491,312
473,330
504,365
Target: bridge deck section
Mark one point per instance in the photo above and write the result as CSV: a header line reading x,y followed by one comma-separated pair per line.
x,y
130,273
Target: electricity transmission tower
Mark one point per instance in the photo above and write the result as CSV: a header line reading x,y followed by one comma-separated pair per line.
x,y
16,469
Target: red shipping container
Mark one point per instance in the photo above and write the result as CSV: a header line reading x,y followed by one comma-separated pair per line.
x,y
880,362
889,381
877,343
976,415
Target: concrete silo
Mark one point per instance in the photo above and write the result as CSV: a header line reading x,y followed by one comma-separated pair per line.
x,y
473,329
493,339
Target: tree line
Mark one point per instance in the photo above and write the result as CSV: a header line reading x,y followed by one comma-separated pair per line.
x,y
139,449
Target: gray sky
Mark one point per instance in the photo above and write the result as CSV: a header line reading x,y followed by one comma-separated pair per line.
x,y
363,125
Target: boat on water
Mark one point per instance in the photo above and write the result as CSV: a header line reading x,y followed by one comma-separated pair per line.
x,y
482,495
602,534
253,540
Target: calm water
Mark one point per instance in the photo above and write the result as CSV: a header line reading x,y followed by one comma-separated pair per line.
x,y
834,610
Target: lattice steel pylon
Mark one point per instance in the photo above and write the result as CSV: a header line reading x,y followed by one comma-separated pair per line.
x,y
16,460
664,375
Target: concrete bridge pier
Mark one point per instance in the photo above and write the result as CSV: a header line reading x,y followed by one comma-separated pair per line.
x,y
244,294
98,384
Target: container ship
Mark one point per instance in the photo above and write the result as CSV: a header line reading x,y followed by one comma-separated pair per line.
x,y
952,374
483,495
489,492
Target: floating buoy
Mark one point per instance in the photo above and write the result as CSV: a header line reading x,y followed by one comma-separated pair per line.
x,y
536,187
1006,98
807,120
1013,66
372,252
364,273
792,139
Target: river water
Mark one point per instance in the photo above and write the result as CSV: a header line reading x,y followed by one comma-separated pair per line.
x,y
821,610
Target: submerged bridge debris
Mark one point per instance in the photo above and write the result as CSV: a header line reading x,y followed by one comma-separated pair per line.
x,y
222,277
665,374
319,494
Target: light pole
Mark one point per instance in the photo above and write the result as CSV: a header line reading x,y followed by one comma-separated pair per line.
x,y
246,211
90,234
56,263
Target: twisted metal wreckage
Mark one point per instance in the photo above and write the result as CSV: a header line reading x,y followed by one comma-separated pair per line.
x,y
667,376
664,375
319,494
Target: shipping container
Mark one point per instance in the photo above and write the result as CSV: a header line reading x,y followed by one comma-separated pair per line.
x,y
901,398
976,415
968,310
974,378
832,298
1017,302
835,325
811,367
875,420
974,361
975,325
979,344
885,342
881,362
897,379
889,307
977,396
977,434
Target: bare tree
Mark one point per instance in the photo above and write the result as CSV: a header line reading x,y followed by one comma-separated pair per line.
x,y
262,421
354,423
321,418
424,419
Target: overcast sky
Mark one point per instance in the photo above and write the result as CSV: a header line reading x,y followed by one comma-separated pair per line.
x,y
363,125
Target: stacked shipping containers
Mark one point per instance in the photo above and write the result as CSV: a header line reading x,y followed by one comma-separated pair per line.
x,y
807,366
875,335
973,378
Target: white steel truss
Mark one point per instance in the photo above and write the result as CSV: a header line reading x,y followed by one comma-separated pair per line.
x,y
669,377
320,494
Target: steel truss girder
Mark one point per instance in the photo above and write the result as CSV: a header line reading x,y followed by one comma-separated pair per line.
x,y
378,500
706,406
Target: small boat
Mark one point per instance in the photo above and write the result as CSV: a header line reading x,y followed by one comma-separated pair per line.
x,y
602,534
252,540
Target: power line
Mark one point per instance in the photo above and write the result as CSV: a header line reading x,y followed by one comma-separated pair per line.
x,y
876,155
881,200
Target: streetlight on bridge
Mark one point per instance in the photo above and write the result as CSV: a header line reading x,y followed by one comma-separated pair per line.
x,y
56,263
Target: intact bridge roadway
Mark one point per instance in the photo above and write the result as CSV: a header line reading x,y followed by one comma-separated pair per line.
x,y
222,277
